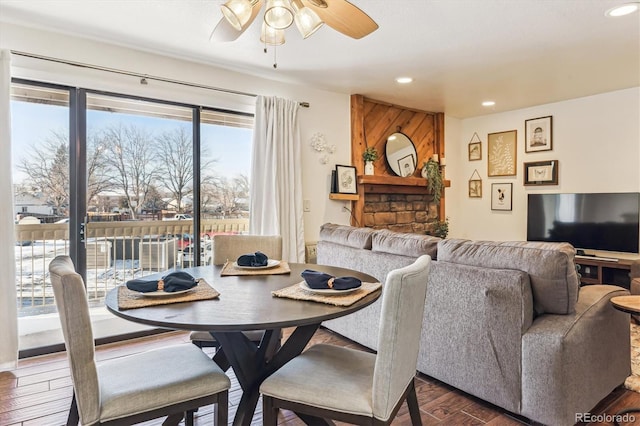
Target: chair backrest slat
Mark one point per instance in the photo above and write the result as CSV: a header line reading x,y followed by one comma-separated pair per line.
x,y
230,247
73,308
402,310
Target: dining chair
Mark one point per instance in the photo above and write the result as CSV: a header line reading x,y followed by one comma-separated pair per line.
x,y
171,381
354,386
230,247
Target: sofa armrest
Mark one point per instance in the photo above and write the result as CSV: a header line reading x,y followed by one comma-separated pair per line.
x,y
473,324
571,362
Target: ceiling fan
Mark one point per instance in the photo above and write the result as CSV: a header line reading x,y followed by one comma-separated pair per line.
x,y
308,15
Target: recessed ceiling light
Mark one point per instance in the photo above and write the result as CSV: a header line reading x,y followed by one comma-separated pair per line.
x,y
488,103
623,10
404,80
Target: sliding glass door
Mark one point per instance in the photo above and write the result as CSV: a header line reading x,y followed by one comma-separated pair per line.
x,y
140,185
126,186
40,151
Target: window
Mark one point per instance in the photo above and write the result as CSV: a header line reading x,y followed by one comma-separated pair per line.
x,y
225,153
40,140
140,169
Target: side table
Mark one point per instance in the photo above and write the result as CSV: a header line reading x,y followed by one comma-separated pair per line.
x,y
630,305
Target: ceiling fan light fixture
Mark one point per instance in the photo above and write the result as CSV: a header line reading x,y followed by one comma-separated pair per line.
x,y
277,14
237,12
271,36
307,21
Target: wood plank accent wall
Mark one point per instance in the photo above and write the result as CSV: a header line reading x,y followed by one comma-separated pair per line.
x,y
373,121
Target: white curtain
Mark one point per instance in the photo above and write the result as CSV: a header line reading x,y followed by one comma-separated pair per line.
x,y
8,309
276,175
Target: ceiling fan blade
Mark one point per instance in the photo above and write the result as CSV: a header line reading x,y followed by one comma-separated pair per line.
x,y
343,16
224,31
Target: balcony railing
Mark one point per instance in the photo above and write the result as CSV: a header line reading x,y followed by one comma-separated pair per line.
x,y
116,252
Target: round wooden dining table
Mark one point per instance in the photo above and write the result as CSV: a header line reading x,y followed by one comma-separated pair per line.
x,y
246,303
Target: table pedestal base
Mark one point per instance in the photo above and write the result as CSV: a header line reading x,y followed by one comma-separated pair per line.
x,y
252,365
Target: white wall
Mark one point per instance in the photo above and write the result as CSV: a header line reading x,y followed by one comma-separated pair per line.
x,y
596,140
329,113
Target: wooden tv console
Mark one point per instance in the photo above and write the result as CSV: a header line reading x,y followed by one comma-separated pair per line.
x,y
609,270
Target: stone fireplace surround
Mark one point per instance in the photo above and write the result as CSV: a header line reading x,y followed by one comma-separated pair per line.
x,y
400,212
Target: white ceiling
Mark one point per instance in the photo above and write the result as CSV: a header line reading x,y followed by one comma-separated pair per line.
x,y
518,53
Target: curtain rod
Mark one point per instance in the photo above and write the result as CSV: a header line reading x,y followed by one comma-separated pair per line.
x,y
143,77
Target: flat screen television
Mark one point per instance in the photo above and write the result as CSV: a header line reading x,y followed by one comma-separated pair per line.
x,y
597,221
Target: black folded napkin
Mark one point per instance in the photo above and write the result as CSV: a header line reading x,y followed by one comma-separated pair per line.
x,y
319,281
253,259
172,282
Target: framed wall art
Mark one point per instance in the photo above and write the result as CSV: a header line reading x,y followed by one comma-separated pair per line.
x,y
407,165
346,180
475,188
475,148
475,185
541,173
538,134
501,196
475,151
501,153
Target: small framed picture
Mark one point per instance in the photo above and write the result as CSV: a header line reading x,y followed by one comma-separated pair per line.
x,y
501,153
541,173
475,188
346,180
501,196
475,151
407,165
538,134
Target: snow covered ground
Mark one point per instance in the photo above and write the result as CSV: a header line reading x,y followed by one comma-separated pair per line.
x,y
33,286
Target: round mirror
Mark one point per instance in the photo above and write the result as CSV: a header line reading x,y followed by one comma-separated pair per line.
x,y
401,154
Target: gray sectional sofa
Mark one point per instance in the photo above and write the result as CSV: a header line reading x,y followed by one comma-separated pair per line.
x,y
504,321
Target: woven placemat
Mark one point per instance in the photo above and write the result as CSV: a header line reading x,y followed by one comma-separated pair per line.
x,y
128,299
347,299
229,269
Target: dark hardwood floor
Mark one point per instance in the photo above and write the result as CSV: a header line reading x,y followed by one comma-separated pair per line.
x,y
39,391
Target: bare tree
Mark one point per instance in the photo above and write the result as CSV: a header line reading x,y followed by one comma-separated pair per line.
x,y
98,179
130,154
241,187
241,184
47,168
154,202
231,195
175,153
208,198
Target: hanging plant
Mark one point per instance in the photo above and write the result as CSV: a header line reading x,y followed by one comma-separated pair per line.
x,y
435,182
370,154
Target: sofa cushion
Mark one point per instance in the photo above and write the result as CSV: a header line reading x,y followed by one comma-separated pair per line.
x,y
551,269
347,235
412,245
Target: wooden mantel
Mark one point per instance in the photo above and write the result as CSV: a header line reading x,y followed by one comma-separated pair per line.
x,y
393,184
